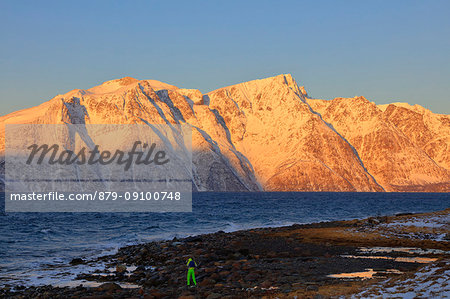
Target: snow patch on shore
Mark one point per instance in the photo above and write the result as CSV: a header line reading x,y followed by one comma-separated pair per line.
x,y
431,281
433,222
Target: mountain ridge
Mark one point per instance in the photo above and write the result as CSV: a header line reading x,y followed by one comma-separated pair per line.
x,y
268,134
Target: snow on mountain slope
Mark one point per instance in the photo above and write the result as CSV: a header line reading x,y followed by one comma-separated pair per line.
x,y
217,165
270,135
427,130
389,155
289,146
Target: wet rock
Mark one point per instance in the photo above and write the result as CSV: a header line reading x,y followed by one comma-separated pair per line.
x,y
224,273
312,288
252,276
121,268
154,293
403,214
139,269
286,288
266,284
109,287
77,261
193,239
373,221
207,282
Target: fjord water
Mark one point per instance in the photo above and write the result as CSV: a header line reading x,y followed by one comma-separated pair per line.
x,y
32,242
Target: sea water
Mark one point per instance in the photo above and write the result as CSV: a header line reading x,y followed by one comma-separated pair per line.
x,y
32,244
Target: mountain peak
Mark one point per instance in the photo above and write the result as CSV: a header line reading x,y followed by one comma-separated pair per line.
x,y
126,82
280,80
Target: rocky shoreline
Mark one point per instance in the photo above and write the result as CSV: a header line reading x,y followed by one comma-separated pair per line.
x,y
307,261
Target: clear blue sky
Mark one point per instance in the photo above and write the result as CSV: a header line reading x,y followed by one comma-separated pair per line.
x,y
384,50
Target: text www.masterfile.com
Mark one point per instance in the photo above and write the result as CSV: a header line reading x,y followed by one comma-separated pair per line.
x,y
97,195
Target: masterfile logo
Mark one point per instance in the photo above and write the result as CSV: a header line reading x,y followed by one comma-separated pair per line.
x,y
145,156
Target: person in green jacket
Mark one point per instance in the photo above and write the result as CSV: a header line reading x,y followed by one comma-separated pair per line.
x,y
191,271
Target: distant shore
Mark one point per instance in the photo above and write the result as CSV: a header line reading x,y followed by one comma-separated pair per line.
x,y
317,260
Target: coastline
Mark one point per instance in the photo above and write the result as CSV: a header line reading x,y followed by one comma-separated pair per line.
x,y
298,260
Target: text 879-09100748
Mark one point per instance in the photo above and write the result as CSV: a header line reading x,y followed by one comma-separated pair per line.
x,y
159,195
98,195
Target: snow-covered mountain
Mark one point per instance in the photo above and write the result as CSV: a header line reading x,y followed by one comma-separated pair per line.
x,y
390,144
269,135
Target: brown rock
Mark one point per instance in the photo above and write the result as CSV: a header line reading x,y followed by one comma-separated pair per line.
x,y
312,288
156,294
266,284
207,282
224,273
297,285
121,268
215,276
108,287
251,276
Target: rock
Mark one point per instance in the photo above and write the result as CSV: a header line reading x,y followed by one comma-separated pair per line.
x,y
156,293
266,284
403,214
286,288
312,288
77,261
193,239
97,297
297,285
373,221
224,273
244,251
109,287
207,282
214,296
215,276
251,276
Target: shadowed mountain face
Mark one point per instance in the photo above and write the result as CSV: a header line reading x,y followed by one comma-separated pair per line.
x,y
269,135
